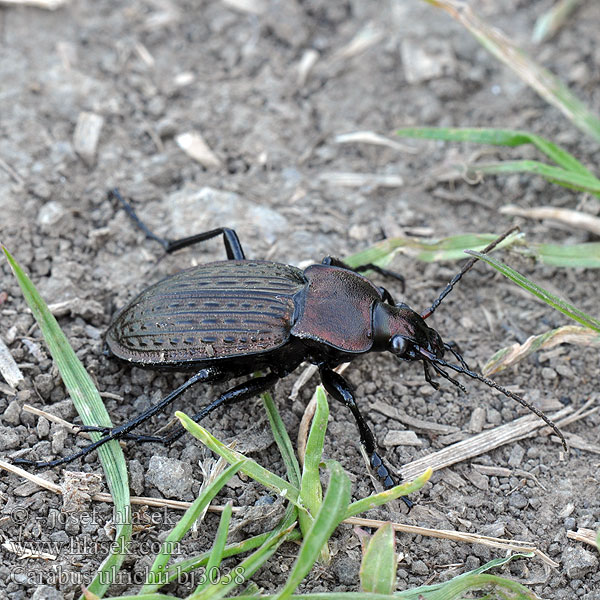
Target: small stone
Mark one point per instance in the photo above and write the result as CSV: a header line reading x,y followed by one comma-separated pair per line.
x,y
516,456
549,374
477,420
12,414
45,592
170,476
9,438
518,500
419,568
577,562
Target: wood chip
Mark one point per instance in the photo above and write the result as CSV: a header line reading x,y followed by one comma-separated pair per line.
x,y
370,137
307,62
374,180
8,367
400,437
47,4
253,7
193,144
86,136
478,444
414,423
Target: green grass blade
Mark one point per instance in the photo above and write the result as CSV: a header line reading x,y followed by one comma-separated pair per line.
x,y
449,248
545,83
176,569
250,467
388,495
498,137
216,554
569,179
598,540
326,520
90,408
156,575
575,255
539,292
311,492
379,563
241,574
282,439
448,590
550,22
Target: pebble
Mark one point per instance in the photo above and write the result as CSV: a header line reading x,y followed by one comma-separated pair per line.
x,y
577,562
172,477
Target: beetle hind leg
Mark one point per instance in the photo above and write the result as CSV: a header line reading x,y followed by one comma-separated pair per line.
x,y
339,389
233,247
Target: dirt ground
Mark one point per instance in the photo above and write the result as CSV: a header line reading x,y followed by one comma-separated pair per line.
x,y
156,69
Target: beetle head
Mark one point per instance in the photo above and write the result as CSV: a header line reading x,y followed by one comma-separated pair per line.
x,y
404,333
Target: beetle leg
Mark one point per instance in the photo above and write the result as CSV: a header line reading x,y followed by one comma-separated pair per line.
x,y
230,238
336,262
122,431
243,391
340,389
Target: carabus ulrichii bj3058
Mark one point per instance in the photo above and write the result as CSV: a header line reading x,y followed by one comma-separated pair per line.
x,y
232,318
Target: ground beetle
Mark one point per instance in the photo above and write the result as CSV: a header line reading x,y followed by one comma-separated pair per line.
x,y
232,318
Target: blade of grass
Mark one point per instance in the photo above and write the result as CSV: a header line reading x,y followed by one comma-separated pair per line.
x,y
250,467
388,495
156,575
379,563
90,408
282,439
242,573
539,292
574,255
216,554
311,492
545,83
331,513
176,569
428,592
449,248
569,179
550,22
499,137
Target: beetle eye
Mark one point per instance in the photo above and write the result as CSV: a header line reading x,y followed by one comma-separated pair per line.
x,y
399,345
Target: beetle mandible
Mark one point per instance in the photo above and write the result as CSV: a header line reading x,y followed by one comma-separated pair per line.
x,y
232,318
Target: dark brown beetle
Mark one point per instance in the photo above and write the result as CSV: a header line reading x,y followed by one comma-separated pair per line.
x,y
232,318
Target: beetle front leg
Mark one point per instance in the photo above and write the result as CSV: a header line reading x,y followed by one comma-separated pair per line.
x,y
340,389
230,238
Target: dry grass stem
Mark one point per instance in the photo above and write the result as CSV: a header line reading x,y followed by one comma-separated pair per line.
x,y
102,497
458,536
572,218
587,536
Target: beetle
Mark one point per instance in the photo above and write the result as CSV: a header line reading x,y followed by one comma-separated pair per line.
x,y
232,318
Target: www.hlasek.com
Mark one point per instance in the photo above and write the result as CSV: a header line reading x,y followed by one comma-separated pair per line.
x,y
62,577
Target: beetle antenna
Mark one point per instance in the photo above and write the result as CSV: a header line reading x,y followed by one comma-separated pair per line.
x,y
437,362
468,266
